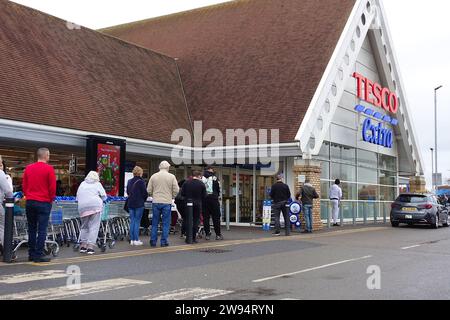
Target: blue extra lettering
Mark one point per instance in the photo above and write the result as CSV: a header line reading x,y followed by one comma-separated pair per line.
x,y
376,134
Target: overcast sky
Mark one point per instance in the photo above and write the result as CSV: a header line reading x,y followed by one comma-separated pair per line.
x,y
420,30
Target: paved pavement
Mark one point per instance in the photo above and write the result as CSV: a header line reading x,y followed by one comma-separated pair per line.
x,y
412,262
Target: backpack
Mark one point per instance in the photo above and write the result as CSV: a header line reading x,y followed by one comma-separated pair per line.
x,y
209,184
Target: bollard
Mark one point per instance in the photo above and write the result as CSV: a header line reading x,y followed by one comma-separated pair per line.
x,y
341,214
288,223
190,222
227,213
8,236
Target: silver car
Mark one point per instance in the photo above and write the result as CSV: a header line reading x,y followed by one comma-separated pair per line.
x,y
411,209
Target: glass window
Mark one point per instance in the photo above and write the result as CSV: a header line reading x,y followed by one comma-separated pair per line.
x,y
325,165
325,209
385,210
343,172
348,209
343,153
387,163
412,199
368,175
387,178
388,193
324,189
367,192
349,191
324,151
368,210
367,159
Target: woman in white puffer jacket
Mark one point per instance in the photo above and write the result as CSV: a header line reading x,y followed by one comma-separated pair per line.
x,y
90,196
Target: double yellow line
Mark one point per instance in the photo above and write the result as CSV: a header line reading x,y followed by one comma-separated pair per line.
x,y
146,252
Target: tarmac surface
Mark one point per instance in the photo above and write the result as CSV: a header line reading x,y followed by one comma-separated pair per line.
x,y
351,263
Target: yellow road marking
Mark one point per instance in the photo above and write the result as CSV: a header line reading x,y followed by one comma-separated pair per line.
x,y
144,252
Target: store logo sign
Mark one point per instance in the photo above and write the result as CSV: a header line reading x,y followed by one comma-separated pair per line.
x,y
377,134
375,94
373,130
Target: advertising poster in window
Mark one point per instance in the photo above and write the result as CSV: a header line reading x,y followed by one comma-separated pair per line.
x,y
108,167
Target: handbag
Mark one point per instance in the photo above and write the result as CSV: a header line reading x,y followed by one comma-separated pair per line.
x,y
125,206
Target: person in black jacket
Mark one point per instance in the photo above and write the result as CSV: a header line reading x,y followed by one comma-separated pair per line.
x,y
212,204
137,195
195,190
280,195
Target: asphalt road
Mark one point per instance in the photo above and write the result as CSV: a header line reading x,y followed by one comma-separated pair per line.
x,y
412,262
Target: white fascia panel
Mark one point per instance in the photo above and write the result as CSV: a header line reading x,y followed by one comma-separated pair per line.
x,y
366,15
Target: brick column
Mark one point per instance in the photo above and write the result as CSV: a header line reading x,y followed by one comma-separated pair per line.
x,y
417,184
312,171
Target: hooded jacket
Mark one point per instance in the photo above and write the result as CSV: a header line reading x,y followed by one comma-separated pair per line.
x,y
308,194
211,177
5,189
90,196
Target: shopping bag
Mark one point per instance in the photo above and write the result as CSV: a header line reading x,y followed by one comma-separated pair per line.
x,y
105,212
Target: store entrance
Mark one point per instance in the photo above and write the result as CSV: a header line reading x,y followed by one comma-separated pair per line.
x,y
69,164
246,190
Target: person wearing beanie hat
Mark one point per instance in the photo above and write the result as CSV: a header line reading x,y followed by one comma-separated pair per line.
x,y
163,188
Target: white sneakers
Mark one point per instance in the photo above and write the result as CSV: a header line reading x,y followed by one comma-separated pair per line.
x,y
136,243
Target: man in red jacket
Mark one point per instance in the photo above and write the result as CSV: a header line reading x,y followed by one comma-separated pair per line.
x,y
39,187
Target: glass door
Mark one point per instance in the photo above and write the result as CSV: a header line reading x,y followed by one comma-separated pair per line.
x,y
246,196
229,191
263,187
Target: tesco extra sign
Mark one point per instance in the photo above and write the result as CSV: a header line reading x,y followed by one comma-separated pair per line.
x,y
381,97
376,94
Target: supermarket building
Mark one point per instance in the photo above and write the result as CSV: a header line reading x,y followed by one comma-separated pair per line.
x,y
321,73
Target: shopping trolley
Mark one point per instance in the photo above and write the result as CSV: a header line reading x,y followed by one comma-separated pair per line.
x,y
119,219
105,236
20,237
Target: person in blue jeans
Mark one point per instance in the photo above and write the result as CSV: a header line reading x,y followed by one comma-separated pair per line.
x,y
137,195
307,196
307,210
39,188
163,188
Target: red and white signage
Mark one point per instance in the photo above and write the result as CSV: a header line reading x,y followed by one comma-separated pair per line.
x,y
376,94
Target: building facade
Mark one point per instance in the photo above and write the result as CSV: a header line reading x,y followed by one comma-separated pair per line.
x,y
322,73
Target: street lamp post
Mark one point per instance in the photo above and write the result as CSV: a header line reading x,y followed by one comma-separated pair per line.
x,y
435,135
432,169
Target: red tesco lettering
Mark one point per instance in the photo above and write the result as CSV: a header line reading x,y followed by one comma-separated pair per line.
x,y
376,94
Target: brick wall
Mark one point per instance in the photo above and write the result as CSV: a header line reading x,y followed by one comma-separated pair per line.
x,y
312,171
417,185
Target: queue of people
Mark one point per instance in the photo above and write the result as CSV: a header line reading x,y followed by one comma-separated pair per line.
x,y
40,188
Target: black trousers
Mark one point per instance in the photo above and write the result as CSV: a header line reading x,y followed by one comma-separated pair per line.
x,y
212,210
196,219
277,208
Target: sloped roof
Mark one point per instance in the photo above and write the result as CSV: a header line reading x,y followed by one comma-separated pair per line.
x,y
84,80
248,63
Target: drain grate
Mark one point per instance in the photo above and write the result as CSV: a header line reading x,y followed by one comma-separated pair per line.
x,y
214,251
